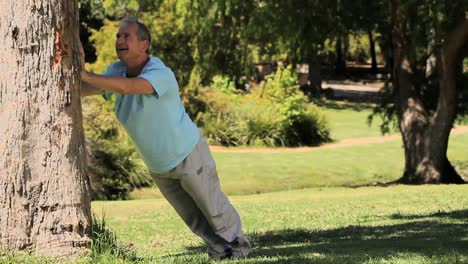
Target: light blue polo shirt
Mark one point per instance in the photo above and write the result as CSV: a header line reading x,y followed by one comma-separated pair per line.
x,y
157,123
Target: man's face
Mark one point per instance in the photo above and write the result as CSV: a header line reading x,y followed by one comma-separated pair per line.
x,y
127,45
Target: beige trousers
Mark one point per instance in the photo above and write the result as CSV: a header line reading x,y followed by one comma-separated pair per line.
x,y
193,189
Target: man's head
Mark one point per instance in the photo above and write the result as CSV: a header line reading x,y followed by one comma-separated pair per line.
x,y
133,40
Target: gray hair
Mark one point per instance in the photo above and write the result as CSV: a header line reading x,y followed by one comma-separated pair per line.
x,y
142,30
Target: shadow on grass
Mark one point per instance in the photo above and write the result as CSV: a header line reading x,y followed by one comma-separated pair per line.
x,y
343,105
361,243
459,214
372,184
431,238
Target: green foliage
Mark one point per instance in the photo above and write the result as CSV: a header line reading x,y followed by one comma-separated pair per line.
x,y
359,47
223,83
219,41
274,113
114,165
303,125
282,88
423,28
240,120
171,39
129,8
104,41
91,17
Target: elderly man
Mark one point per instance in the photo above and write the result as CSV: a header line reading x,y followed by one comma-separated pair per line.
x,y
149,107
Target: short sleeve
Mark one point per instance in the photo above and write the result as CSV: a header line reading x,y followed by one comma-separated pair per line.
x,y
162,79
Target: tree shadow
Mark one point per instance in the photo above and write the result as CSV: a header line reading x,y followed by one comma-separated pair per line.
x,y
358,244
343,105
458,214
372,184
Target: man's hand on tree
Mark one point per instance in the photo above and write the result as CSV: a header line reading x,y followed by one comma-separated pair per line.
x,y
84,73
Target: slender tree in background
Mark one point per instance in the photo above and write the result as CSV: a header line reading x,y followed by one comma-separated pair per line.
x,y
368,16
218,31
428,43
300,29
44,202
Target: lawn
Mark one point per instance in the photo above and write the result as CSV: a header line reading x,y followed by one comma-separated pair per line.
x,y
250,173
350,120
396,224
307,207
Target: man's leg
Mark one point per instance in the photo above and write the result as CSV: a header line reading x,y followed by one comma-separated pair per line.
x,y
192,216
199,179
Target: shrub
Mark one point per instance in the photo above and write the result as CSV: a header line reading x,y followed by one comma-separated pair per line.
x,y
223,83
311,128
243,121
273,114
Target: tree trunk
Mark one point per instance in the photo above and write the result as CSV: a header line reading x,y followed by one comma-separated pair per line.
x,y
44,189
372,52
425,139
340,64
315,76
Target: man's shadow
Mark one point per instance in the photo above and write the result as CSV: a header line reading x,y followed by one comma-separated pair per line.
x,y
432,235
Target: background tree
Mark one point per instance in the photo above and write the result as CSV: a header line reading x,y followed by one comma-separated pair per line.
x,y
300,29
369,16
429,39
218,42
44,200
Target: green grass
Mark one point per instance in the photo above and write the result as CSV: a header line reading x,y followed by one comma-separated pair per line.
x,y
341,224
322,224
395,224
250,173
371,224
350,120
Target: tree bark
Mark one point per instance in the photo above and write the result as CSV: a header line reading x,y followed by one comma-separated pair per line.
x,y
425,139
44,189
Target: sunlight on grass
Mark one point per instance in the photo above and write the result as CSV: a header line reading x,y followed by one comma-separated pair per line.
x,y
249,173
395,224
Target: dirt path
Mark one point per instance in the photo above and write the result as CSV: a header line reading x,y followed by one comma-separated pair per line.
x,y
342,143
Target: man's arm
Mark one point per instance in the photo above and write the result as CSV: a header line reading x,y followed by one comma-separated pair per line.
x,y
87,89
117,84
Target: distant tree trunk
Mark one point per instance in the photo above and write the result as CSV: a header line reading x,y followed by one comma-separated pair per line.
x,y
315,77
372,52
340,64
44,189
425,139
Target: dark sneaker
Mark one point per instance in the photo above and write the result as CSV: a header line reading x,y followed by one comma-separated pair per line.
x,y
240,247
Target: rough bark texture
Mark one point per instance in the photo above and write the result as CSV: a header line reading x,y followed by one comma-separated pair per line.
x,y
44,202
425,138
